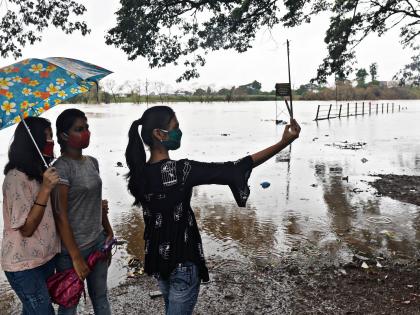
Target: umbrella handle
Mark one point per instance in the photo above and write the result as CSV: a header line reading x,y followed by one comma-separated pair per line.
x,y
33,140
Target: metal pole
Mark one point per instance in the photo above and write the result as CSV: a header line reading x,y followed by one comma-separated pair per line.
x,y
355,113
363,108
348,108
377,108
317,112
387,108
339,113
33,140
392,107
382,108
275,120
370,108
290,81
329,111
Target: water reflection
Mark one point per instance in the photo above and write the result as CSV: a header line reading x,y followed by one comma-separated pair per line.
x,y
349,212
130,228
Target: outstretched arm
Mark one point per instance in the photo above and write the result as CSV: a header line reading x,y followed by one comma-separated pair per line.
x,y
290,134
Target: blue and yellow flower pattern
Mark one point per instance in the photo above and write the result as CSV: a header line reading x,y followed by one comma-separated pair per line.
x,y
32,86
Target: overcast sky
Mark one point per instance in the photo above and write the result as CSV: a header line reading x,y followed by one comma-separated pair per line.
x,y
266,62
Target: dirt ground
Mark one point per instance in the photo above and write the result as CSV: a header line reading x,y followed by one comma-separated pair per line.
x,y
261,288
400,187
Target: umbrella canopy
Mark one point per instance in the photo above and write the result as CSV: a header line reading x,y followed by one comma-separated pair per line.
x,y
32,86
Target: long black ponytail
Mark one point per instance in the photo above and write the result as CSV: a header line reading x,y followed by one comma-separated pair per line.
x,y
157,117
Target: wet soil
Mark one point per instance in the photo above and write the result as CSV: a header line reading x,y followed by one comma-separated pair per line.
x,y
400,187
289,287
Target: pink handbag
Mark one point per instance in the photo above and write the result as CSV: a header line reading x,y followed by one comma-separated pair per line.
x,y
66,288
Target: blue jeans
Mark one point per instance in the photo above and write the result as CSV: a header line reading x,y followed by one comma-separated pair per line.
x,y
96,280
31,288
180,291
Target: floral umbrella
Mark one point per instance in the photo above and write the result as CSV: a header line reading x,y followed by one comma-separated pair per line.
x,y
32,86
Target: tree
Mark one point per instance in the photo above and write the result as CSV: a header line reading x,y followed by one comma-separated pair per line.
x,y
410,74
373,70
110,85
184,31
361,75
25,20
199,92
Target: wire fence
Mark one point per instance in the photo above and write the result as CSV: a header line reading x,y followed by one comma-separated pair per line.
x,y
354,109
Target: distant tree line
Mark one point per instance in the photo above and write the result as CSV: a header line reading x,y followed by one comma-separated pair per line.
x,y
364,86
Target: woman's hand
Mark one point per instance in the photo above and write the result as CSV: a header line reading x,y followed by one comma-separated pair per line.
x,y
105,208
291,132
81,267
50,179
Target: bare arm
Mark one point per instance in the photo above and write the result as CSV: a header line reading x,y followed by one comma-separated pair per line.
x,y
66,232
50,179
290,134
105,221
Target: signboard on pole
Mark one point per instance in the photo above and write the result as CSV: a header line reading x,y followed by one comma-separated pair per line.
x,y
283,89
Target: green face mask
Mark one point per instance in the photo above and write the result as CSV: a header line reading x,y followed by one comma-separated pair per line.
x,y
174,139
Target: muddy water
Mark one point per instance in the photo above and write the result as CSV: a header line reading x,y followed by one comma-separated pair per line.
x,y
308,203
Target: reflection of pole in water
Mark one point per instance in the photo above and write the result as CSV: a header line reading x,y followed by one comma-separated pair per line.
x,y
288,175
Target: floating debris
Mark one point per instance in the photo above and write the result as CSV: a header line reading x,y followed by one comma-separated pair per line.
x,y
155,294
344,145
265,185
364,160
379,220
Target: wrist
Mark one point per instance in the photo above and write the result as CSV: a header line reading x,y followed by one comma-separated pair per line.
x,y
285,142
45,189
76,255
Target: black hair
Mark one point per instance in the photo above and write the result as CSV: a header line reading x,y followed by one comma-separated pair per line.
x,y
23,154
157,117
65,121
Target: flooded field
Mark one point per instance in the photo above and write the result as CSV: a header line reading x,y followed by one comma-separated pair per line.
x,y
321,199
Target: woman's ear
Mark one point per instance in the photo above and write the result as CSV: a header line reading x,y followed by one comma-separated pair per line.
x,y
64,136
158,135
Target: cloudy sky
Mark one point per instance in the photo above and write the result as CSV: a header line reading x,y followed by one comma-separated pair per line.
x,y
266,62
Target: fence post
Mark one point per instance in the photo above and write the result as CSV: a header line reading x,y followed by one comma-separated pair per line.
x,y
348,107
399,108
382,108
329,111
355,112
370,108
317,113
387,108
339,113
377,108
363,108
392,107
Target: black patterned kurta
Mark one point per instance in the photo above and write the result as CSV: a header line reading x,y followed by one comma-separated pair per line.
x,y
171,234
